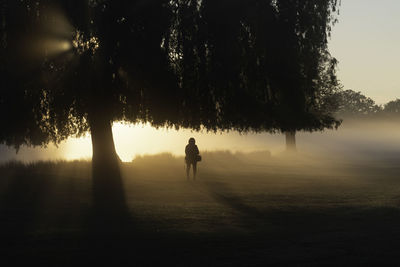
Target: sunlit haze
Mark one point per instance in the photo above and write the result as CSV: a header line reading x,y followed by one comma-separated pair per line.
x,y
142,139
137,140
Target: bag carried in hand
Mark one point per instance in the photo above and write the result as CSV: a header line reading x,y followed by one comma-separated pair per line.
x,y
198,158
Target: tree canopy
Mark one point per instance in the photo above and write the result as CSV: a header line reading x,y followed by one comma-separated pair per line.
x,y
76,66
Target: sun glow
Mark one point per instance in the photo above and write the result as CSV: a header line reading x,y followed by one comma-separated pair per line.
x,y
55,46
141,139
53,36
77,148
130,141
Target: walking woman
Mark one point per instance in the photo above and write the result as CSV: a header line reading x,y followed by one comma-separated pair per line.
x,y
192,157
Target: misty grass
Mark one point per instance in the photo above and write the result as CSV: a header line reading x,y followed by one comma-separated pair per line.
x,y
156,186
240,210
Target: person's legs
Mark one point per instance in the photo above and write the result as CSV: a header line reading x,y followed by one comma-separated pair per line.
x,y
194,170
187,169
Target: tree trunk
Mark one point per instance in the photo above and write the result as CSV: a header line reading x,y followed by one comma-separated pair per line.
x,y
108,192
291,141
102,142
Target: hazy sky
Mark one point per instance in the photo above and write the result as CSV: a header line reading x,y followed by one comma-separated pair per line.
x,y
366,41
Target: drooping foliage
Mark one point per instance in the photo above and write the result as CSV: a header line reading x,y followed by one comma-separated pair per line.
x,y
269,58
307,103
258,65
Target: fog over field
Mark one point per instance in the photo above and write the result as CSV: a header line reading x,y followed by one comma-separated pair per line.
x,y
333,202
356,139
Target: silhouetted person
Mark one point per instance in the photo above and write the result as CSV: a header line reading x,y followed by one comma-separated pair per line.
x,y
192,156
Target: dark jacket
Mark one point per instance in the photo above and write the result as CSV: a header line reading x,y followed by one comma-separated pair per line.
x,y
191,152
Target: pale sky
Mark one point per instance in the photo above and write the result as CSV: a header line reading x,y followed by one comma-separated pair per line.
x,y
366,41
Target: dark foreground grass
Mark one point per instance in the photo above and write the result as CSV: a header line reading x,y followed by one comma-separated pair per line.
x,y
243,210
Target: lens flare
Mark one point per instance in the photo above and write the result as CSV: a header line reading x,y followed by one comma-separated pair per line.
x,y
53,47
52,38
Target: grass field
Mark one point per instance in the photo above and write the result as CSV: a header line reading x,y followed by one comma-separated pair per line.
x,y
243,210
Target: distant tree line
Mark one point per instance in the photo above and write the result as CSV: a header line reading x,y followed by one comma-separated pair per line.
x,y
352,104
347,104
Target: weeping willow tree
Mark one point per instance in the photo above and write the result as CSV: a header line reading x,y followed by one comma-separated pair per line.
x,y
72,67
313,69
266,63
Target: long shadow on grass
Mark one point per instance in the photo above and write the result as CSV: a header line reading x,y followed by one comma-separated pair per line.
x,y
305,220
110,214
249,216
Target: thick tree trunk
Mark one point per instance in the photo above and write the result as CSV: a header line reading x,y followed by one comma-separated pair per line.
x,y
102,142
291,141
108,192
